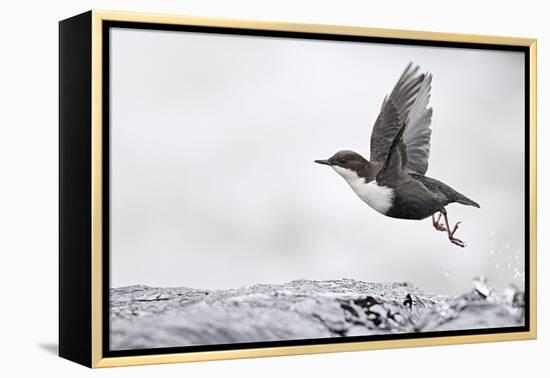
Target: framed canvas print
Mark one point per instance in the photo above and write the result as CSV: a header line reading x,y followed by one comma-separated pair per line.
x,y
236,189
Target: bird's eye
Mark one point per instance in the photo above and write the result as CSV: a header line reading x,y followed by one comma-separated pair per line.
x,y
342,161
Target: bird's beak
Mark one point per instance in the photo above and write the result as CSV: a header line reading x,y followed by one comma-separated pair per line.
x,y
325,162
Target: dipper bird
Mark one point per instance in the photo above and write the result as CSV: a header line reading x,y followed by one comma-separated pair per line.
x,y
393,181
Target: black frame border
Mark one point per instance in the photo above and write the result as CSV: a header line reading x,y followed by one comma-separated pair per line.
x,y
107,25
75,180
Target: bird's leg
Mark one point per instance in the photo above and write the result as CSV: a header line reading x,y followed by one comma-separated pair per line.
x,y
438,226
450,233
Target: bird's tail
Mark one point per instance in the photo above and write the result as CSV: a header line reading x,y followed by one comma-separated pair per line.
x,y
466,201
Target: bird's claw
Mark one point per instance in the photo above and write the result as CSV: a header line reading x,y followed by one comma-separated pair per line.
x,y
450,233
456,241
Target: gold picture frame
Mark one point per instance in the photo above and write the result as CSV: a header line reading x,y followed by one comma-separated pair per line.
x,y
81,41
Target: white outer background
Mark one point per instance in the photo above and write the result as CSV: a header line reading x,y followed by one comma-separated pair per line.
x,y
29,188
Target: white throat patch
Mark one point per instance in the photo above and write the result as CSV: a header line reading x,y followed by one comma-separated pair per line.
x,y
378,197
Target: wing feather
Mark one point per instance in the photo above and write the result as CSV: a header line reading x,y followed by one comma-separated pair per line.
x,y
417,134
409,100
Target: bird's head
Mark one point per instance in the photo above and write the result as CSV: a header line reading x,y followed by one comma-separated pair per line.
x,y
347,164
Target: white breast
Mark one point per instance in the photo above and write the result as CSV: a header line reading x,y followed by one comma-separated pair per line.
x,y
378,197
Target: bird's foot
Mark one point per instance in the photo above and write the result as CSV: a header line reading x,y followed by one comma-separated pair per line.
x,y
450,233
454,240
435,222
457,241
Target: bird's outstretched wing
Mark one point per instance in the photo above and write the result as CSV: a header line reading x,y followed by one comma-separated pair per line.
x,y
408,104
394,169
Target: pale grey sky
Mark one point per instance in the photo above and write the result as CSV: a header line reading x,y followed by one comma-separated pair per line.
x,y
213,183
